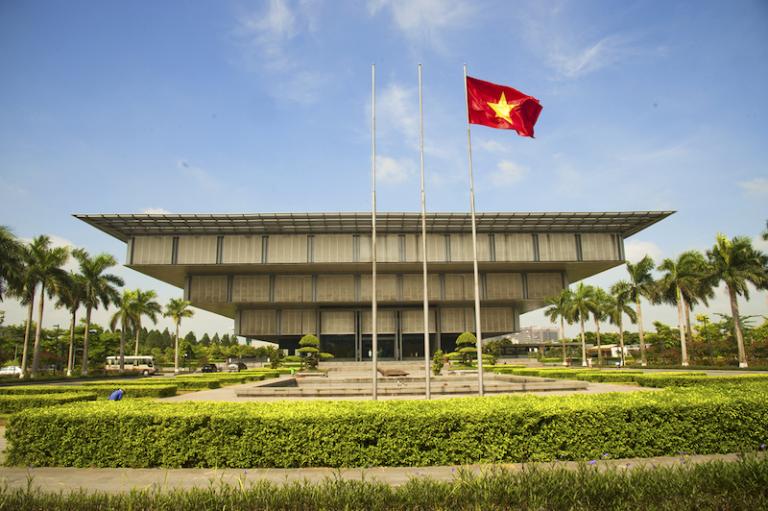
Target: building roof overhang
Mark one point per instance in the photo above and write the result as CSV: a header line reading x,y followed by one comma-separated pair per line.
x,y
125,226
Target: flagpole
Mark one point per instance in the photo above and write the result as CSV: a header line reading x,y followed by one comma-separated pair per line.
x,y
474,247
374,340
428,391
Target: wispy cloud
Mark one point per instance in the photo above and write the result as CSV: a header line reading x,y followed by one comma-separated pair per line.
x,y
757,187
268,39
156,211
393,171
200,177
426,21
507,173
634,250
573,61
397,112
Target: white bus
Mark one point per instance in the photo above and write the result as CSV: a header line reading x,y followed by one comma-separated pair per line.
x,y
144,364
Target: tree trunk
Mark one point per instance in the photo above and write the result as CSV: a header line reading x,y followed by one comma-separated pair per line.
x,y
621,338
737,327
681,327
176,352
71,353
27,331
688,328
87,333
122,346
38,331
599,348
583,344
562,340
138,332
643,358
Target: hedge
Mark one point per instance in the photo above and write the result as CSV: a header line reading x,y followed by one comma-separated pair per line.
x,y
102,390
683,380
499,429
10,403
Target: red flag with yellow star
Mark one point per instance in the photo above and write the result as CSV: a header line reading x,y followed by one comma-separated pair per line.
x,y
502,107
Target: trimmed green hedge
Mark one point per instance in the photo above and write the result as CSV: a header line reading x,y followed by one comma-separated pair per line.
x,y
499,429
10,403
684,380
102,389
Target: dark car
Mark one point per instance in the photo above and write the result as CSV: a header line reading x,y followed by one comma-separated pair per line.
x,y
210,368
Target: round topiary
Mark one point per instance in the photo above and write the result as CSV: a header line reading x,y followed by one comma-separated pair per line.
x,y
466,344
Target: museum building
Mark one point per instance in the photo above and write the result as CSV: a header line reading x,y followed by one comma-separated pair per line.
x,y
279,276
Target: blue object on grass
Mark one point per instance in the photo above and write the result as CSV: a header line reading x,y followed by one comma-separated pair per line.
x,y
116,395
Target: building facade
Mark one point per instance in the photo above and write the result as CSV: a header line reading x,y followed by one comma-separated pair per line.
x,y
280,276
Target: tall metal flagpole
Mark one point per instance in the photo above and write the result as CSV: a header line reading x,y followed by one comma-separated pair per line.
x,y
428,391
474,248
374,340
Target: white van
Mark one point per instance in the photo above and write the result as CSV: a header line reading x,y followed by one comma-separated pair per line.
x,y
143,364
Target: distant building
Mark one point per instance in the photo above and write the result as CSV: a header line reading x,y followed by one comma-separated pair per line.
x,y
534,335
279,276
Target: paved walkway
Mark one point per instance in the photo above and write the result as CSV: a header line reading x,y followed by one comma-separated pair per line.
x,y
115,480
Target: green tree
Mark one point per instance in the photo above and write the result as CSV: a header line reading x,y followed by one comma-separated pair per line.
x,y
684,281
582,304
23,287
438,361
559,307
177,309
46,266
617,306
641,285
600,304
143,304
11,259
310,350
126,316
466,346
70,296
99,289
736,263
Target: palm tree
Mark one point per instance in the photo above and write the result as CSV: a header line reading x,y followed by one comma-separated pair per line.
x,y
558,309
126,316
618,305
46,268
144,304
598,308
581,306
99,289
641,285
11,259
177,309
686,281
70,295
736,263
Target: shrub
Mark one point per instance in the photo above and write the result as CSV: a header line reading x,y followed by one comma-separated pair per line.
x,y
10,403
101,389
438,360
466,345
499,429
688,379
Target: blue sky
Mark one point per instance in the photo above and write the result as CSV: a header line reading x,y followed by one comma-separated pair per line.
x,y
233,106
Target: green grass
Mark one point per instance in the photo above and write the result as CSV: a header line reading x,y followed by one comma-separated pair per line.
x,y
701,487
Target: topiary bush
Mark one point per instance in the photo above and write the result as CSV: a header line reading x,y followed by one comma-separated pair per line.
x,y
310,350
499,429
466,345
667,379
102,390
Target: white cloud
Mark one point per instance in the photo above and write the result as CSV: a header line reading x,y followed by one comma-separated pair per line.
x,y
393,171
397,111
757,187
508,173
155,211
572,61
634,250
426,20
269,41
492,146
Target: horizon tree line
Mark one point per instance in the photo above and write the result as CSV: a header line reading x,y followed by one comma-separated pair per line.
x,y
685,282
30,271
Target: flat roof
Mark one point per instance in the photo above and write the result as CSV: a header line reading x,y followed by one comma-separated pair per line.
x,y
125,226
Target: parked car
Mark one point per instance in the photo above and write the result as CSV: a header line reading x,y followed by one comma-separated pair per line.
x,y
237,366
10,370
210,368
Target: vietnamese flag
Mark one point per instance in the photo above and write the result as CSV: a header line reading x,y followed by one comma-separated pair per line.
x,y
502,107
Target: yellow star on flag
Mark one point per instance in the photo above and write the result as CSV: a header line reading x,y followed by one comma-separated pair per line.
x,y
502,108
